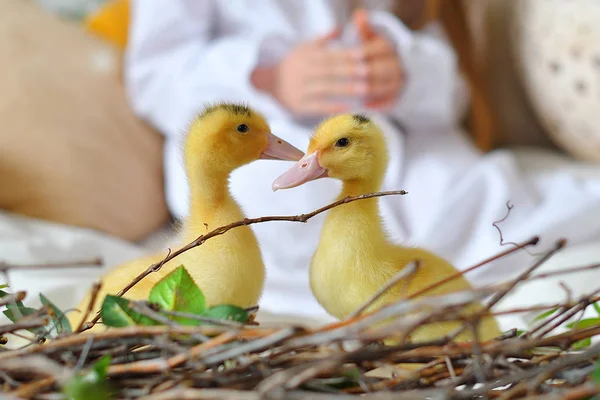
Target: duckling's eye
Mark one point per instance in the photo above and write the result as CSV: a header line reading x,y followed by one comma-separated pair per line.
x,y
243,128
343,142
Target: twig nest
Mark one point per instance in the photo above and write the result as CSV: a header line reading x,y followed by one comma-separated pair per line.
x,y
557,49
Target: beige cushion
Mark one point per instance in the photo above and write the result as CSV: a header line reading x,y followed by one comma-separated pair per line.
x,y
71,151
557,49
518,124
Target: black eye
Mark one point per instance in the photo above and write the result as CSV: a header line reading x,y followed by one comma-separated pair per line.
x,y
343,142
242,128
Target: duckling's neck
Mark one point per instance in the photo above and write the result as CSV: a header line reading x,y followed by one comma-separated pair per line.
x,y
360,219
211,204
208,187
358,187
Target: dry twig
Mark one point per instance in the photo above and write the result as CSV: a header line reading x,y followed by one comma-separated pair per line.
x,y
245,222
96,262
94,295
406,272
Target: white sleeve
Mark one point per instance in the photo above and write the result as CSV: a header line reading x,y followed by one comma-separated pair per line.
x,y
434,95
174,65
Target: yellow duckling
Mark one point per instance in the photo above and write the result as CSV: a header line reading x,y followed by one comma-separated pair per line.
x,y
229,268
354,258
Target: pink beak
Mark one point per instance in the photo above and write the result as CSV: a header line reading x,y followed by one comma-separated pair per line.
x,y
305,170
279,149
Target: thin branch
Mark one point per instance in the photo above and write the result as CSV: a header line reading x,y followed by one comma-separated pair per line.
x,y
94,295
142,308
32,340
567,290
495,224
255,345
208,320
96,262
479,369
23,324
560,244
249,221
540,307
407,271
84,353
450,367
29,390
245,222
564,271
11,298
531,242
172,362
8,379
586,391
509,207
566,316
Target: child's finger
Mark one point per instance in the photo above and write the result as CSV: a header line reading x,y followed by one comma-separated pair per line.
x,y
376,48
324,39
361,21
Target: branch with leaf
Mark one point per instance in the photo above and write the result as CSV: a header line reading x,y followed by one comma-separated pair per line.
x,y
175,299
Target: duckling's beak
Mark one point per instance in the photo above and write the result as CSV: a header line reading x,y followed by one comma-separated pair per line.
x,y
305,170
279,149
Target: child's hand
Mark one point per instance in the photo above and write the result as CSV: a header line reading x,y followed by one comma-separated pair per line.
x,y
313,78
384,73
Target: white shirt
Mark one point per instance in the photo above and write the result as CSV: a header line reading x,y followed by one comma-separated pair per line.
x,y
189,53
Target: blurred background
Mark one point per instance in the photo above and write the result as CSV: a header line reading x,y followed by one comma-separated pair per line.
x,y
66,157
73,152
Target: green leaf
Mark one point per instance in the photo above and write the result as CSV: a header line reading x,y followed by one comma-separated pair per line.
x,y
546,314
117,313
596,307
518,332
582,344
101,366
60,321
584,323
352,373
4,286
12,313
91,385
596,373
18,312
79,388
227,312
58,324
19,303
178,292
348,379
